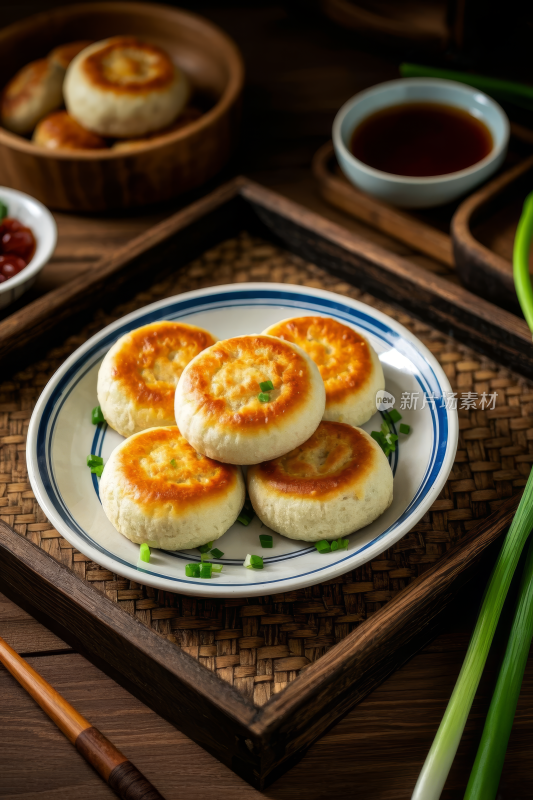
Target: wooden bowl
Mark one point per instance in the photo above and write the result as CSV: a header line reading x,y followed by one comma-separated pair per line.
x,y
173,163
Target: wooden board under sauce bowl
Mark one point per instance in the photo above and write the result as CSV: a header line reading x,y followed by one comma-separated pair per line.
x,y
170,165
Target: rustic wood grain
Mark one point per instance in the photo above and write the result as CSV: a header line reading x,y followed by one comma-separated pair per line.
x,y
374,753
123,777
176,686
468,318
338,191
413,23
96,180
482,269
242,203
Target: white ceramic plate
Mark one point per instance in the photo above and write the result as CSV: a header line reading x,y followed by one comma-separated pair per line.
x,y
61,436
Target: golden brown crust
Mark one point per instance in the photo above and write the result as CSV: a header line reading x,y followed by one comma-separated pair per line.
x,y
336,456
60,131
144,369
64,53
128,66
160,467
20,89
225,382
341,354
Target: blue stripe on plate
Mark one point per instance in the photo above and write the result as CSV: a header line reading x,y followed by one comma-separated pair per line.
x,y
425,377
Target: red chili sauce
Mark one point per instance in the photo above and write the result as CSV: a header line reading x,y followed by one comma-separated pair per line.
x,y
17,246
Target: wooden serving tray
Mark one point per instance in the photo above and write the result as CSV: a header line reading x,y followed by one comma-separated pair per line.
x,y
257,682
472,239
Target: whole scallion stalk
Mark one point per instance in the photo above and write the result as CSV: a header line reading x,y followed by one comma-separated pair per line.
x,y
487,769
440,757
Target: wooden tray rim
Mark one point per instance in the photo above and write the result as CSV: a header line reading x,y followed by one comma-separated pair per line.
x,y
266,739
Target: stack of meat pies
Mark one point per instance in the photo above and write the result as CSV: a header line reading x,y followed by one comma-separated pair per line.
x,y
284,403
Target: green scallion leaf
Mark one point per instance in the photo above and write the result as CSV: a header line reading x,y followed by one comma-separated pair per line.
x,y
253,562
97,470
263,397
173,463
266,540
205,556
192,570
204,548
385,428
216,567
323,546
405,428
3,210
487,769
440,757
93,461
334,545
144,552
266,386
97,416
393,415
247,513
216,553
486,772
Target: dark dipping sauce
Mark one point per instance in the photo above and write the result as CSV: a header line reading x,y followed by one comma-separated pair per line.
x,y
421,140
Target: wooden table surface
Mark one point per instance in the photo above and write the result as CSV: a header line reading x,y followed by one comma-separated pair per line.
x,y
300,69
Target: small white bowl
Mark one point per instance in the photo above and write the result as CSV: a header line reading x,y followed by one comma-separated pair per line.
x,y
34,215
405,191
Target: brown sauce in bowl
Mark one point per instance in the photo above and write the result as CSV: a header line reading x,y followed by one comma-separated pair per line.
x,y
421,140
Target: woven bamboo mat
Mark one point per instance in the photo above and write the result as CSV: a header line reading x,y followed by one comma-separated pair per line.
x,y
260,645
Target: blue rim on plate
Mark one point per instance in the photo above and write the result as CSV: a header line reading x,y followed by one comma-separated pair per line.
x,y
424,367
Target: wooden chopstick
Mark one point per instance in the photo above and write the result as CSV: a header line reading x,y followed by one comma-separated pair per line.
x,y
121,775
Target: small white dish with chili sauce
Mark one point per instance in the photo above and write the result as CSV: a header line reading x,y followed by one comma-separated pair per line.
x,y
34,216
420,142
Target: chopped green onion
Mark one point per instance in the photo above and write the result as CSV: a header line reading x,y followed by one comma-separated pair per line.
x,y
263,397
204,548
144,552
266,386
385,428
379,437
97,470
173,462
205,556
266,540
247,513
440,757
393,415
334,545
216,553
253,562
97,416
192,570
217,567
3,210
405,428
206,570
93,461
323,546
